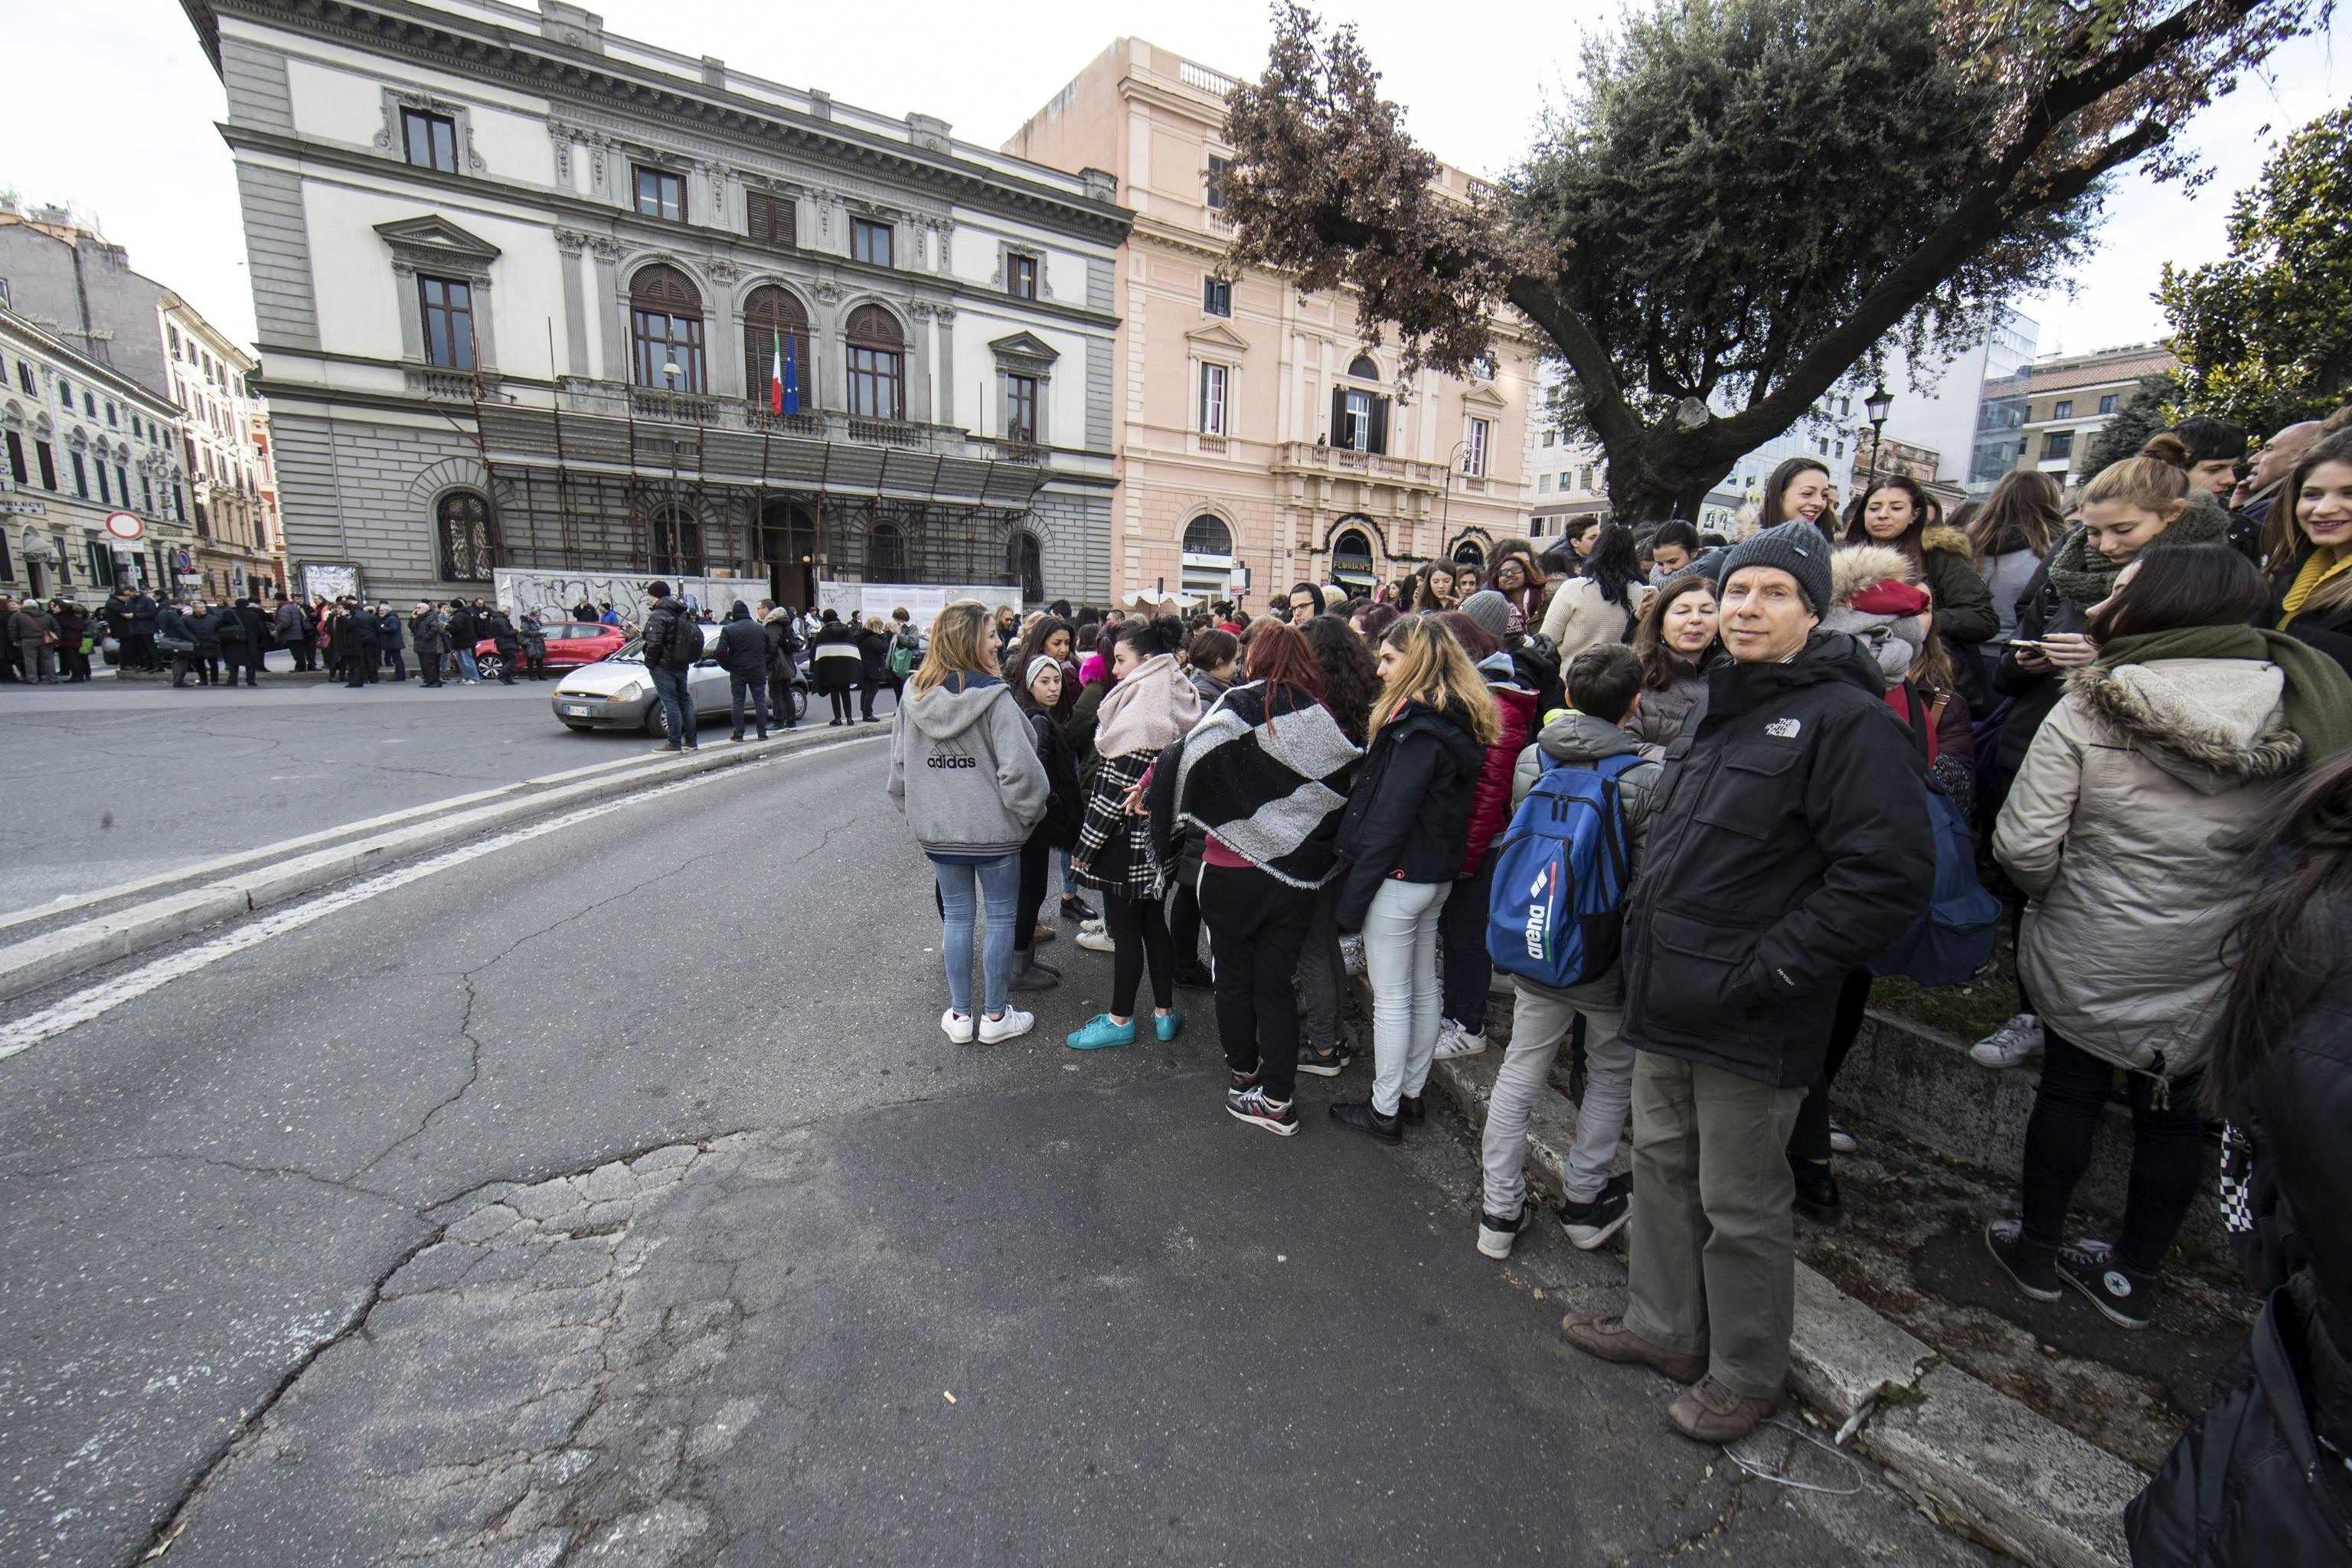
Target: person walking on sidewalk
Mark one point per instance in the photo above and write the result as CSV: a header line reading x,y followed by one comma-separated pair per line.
x,y
1151,704
1265,776
139,647
429,634
2123,828
1605,683
1402,839
1788,838
743,655
964,770
672,642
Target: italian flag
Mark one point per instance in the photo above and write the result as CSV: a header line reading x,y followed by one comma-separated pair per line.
x,y
776,377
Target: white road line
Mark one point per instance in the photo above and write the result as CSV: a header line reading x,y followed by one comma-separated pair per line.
x,y
23,1034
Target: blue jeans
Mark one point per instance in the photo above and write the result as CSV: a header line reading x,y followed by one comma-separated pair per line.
x,y
677,704
465,667
757,685
999,884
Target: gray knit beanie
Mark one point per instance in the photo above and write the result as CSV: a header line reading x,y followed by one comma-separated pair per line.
x,y
1489,611
1797,548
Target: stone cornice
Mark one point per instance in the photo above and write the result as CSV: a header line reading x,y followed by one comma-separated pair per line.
x,y
534,64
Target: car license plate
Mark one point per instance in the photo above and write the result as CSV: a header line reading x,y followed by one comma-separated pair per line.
x,y
578,710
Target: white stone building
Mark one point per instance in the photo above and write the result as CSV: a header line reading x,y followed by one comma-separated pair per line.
x,y
520,283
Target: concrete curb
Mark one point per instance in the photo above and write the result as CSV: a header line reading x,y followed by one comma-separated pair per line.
x,y
1981,1462
264,876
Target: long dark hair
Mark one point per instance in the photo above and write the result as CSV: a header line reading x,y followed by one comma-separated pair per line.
x,y
2022,513
1614,565
1279,655
1662,666
2290,937
1350,680
1769,514
2179,585
1922,511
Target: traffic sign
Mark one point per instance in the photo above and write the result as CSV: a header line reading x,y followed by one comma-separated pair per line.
x,y
125,525
22,508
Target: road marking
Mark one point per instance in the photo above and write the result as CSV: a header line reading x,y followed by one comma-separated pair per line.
x,y
23,1034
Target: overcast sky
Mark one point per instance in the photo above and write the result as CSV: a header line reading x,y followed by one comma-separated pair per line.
x,y
128,101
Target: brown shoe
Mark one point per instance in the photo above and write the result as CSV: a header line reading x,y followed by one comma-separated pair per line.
x,y
1610,1340
1709,1412
1042,934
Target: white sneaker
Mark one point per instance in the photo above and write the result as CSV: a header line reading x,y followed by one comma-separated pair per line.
x,y
1097,942
1091,923
956,1027
1015,1022
2009,1045
1453,1042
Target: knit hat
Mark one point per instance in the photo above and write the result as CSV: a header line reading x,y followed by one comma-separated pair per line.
x,y
1796,548
657,590
1489,611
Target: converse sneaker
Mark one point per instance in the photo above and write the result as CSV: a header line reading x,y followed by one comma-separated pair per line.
x,y
1251,1105
1590,1223
956,1027
2009,1045
1496,1234
2030,1269
1006,1025
2125,1295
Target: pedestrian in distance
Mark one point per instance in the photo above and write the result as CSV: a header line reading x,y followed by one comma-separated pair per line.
x,y
743,655
429,634
1466,976
1605,682
671,644
350,643
1515,577
493,624
205,625
1897,512
2126,828
1148,707
839,664
174,637
610,617
532,635
964,769
2311,555
1352,684
781,624
245,632
1054,637
73,630
388,641
1039,694
34,631
906,652
463,633
874,644
292,629
1788,838
1401,841
2258,1478
1264,777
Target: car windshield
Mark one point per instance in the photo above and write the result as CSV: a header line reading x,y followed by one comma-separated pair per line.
x,y
631,652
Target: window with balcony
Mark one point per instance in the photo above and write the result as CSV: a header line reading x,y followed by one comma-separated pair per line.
x,y
1216,297
770,220
1213,383
666,331
445,308
870,242
430,141
1473,444
776,344
1020,277
877,365
2058,444
1215,182
2062,409
660,193
1359,419
1021,408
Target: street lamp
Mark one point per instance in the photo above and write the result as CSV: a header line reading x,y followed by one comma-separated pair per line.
x,y
1445,496
1877,406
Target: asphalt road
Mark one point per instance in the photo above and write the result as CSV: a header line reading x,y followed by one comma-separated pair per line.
x,y
612,1197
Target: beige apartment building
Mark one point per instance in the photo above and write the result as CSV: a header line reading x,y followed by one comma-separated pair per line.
x,y
1261,439
2066,400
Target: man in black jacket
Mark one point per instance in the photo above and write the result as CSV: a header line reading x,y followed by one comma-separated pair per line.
x,y
1788,844
743,655
388,640
462,636
672,643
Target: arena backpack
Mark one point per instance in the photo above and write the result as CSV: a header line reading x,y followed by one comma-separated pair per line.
x,y
1557,913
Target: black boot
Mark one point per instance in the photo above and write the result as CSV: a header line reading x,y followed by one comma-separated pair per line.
x,y
1817,1190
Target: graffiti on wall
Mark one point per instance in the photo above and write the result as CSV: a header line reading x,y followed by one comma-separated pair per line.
x,y
551,596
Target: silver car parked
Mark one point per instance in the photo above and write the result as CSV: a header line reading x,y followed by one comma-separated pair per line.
x,y
618,693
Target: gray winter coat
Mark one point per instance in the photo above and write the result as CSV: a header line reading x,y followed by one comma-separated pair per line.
x,y
964,769
2119,829
1660,717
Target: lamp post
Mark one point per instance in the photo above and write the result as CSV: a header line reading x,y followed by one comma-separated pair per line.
x,y
1446,497
1877,406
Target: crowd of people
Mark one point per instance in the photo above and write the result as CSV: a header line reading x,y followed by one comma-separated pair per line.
x,y
1742,769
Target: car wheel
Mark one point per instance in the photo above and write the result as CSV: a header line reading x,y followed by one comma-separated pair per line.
x,y
491,666
655,726
798,699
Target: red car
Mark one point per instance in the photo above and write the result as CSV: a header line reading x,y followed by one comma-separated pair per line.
x,y
570,644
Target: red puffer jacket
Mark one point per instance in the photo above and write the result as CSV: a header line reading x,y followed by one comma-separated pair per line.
x,y
1490,798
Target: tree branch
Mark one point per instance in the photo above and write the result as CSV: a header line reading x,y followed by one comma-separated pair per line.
x,y
1605,408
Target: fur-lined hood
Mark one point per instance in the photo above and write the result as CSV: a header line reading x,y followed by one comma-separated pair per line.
x,y
2212,723
1948,539
1855,567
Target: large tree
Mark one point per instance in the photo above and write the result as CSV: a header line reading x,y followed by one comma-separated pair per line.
x,y
2264,335
1742,200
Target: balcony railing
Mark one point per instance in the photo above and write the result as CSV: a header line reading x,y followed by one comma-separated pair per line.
x,y
667,410
885,432
1347,463
680,407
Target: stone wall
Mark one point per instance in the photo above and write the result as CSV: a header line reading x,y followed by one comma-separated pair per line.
x,y
361,489
1073,529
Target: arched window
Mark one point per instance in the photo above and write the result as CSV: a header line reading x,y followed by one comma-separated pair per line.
x,y
1026,560
1467,553
674,542
776,334
666,329
1206,535
1351,558
1363,367
878,364
885,553
461,523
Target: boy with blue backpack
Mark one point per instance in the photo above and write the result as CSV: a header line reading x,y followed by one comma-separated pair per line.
x,y
1581,809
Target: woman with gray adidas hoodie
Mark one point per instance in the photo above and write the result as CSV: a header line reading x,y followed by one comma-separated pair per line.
x,y
964,770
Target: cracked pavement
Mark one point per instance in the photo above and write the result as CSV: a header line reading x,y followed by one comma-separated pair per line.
x,y
613,1199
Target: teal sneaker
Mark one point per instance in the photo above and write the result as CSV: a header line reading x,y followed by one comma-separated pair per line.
x,y
1167,1025
1098,1033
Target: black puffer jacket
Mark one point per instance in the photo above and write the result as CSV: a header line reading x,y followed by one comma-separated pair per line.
x,y
662,646
742,645
2329,631
1410,812
1787,845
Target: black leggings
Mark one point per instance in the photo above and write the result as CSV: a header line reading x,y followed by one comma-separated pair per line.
x,y
841,710
1465,974
1139,934
1183,913
1034,854
1257,925
2167,1155
1810,1139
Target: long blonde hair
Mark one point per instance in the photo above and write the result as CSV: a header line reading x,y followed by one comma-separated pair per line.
x,y
963,642
1433,669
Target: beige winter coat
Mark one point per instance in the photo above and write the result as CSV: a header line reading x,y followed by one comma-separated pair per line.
x,y
2121,828
1580,618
